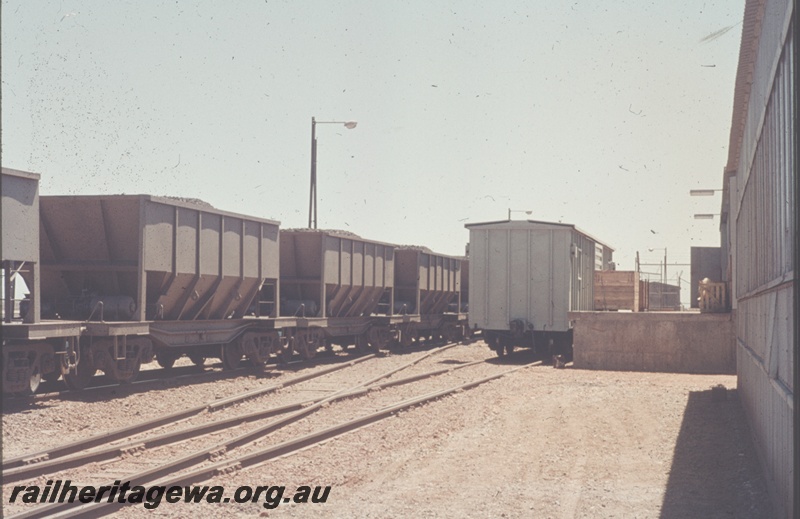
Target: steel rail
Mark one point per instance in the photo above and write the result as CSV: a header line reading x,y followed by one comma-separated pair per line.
x,y
255,458
67,462
48,391
220,449
127,431
149,376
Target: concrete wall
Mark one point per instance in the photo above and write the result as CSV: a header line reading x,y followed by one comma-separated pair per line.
x,y
706,263
654,341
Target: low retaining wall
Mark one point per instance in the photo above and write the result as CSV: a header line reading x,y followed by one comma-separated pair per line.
x,y
673,342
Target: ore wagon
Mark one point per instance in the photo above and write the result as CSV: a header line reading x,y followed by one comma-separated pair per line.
x,y
191,272
339,286
33,348
428,286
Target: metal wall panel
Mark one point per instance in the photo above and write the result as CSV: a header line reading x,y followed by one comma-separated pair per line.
x,y
761,240
20,216
542,275
210,231
186,241
231,253
496,275
770,39
479,297
158,230
20,241
764,223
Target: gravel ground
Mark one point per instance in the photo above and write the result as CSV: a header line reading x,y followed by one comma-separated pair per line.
x,y
539,443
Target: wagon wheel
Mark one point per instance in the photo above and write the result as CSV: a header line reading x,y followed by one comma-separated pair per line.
x,y
379,338
197,359
166,358
405,338
362,344
131,371
257,360
305,346
52,376
258,354
231,356
33,381
499,346
83,373
493,341
450,332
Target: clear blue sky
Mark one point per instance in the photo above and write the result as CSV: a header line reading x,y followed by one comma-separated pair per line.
x,y
600,114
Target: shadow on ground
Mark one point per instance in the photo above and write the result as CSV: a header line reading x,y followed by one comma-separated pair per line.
x,y
715,471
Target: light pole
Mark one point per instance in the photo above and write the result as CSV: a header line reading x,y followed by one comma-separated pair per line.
x,y
665,260
517,211
312,196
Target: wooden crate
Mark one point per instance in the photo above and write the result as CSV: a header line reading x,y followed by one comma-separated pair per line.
x,y
617,290
713,297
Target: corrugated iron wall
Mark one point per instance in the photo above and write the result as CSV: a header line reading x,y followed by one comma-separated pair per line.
x,y
762,237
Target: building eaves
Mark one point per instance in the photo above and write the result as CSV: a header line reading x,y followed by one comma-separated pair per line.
x,y
751,31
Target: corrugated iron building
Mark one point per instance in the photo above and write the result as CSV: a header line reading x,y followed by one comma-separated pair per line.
x,y
757,235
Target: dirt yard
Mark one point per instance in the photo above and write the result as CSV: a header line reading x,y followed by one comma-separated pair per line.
x,y
544,443
540,443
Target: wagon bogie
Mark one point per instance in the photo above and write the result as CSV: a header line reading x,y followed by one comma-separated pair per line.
x,y
119,357
259,347
23,367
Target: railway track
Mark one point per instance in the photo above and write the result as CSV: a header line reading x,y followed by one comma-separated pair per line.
x,y
141,427
101,387
186,468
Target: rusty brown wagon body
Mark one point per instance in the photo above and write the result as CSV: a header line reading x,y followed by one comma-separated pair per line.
x,y
428,285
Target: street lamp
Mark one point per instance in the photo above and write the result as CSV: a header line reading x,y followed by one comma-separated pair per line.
x,y
312,196
517,211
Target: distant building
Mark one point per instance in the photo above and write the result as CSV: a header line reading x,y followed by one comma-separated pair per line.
x,y
757,232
